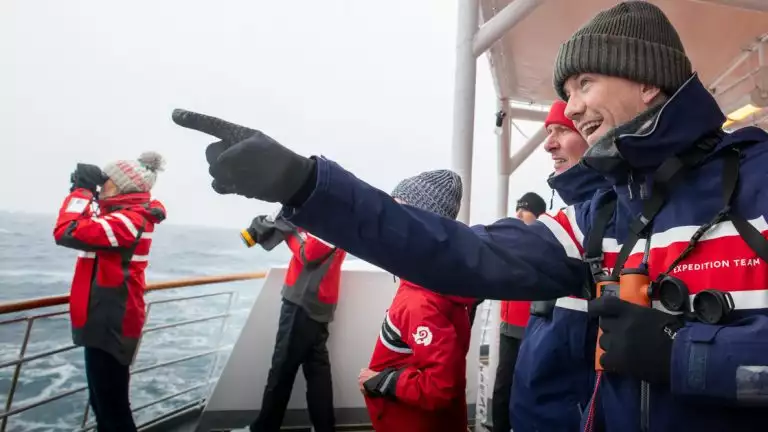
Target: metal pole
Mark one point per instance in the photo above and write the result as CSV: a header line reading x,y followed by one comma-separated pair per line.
x,y
503,142
526,150
464,100
502,22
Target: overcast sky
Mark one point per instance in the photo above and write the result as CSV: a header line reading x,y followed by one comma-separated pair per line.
x,y
366,83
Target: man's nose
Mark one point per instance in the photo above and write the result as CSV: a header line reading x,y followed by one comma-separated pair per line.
x,y
551,144
574,108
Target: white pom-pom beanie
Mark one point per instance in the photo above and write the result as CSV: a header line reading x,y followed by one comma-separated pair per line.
x,y
139,175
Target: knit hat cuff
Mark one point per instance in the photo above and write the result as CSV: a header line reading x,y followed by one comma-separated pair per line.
x,y
418,194
129,176
630,58
557,116
435,191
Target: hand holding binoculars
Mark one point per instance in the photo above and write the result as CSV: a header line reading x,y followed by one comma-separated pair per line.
x,y
634,285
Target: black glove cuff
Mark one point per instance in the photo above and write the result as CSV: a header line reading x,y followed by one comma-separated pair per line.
x,y
384,384
307,186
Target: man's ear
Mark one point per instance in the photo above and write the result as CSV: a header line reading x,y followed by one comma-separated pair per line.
x,y
651,94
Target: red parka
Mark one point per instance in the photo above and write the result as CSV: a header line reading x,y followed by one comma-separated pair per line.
x,y
421,356
514,317
106,301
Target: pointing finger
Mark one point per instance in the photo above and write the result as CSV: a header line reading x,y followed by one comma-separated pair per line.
x,y
214,126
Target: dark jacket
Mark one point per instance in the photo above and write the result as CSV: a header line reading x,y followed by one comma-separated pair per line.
x,y
723,365
554,374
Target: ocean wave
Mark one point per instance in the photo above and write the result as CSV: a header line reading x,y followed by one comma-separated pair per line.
x,y
34,276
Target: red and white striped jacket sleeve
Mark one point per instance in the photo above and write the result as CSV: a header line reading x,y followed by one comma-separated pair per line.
x,y
77,228
563,226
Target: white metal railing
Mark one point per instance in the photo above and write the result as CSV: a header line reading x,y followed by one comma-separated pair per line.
x,y
86,424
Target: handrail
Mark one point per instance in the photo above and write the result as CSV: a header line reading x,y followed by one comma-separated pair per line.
x,y
11,410
42,302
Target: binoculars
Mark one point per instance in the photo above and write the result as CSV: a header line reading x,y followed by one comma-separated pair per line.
x,y
709,306
248,236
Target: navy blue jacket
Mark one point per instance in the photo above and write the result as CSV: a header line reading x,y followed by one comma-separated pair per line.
x,y
554,373
717,371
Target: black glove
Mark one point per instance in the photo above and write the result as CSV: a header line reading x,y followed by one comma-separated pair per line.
x,y
637,340
87,176
247,162
383,384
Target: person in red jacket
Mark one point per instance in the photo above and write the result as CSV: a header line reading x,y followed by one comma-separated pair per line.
x,y
416,379
514,317
106,302
310,294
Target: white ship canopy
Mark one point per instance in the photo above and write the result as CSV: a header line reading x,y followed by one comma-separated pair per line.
x,y
723,39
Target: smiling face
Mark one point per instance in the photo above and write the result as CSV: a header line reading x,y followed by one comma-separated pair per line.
x,y
600,103
565,146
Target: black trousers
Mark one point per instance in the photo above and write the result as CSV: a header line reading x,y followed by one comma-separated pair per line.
x,y
108,389
301,341
509,347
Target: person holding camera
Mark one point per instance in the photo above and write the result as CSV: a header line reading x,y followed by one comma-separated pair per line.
x,y
310,295
110,216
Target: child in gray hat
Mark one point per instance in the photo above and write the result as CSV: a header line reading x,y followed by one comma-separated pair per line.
x,y
417,372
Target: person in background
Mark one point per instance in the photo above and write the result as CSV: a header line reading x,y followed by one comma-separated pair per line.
x,y
416,379
514,317
529,207
550,365
106,302
310,294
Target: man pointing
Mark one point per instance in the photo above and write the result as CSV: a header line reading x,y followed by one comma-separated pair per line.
x,y
683,192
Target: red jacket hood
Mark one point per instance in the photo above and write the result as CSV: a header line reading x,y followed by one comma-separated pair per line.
x,y
142,203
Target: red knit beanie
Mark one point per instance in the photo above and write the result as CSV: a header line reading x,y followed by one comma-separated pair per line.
x,y
557,116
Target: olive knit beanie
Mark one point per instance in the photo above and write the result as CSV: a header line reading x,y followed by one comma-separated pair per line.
x,y
632,40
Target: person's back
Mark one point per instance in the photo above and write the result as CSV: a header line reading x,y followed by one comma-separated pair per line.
x,y
314,275
425,338
416,379
310,294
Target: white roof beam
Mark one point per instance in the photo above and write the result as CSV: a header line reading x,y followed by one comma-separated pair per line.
x,y
502,22
519,113
743,57
526,150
